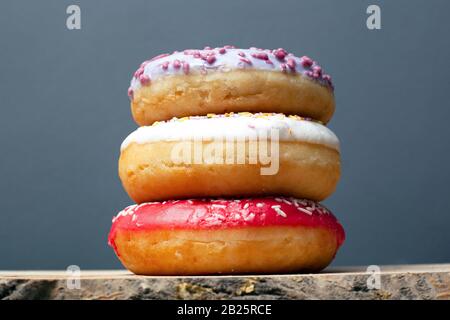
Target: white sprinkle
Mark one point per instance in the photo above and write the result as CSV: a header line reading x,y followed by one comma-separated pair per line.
x,y
219,216
286,201
246,206
305,211
260,205
133,217
190,202
303,202
250,217
279,211
221,206
213,221
278,199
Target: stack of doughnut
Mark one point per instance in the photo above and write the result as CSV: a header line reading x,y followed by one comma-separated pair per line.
x,y
196,216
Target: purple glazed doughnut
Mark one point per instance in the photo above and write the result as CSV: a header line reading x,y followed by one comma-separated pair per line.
x,y
228,79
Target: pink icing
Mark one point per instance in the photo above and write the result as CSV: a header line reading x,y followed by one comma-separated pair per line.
x,y
218,214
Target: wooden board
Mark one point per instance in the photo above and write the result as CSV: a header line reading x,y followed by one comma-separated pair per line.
x,y
392,282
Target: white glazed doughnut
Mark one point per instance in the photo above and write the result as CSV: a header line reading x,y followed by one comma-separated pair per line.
x,y
227,155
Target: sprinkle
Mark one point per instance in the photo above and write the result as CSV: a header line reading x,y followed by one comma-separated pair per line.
x,y
305,211
246,206
210,59
190,202
260,55
250,217
222,50
306,61
139,72
176,64
219,216
291,64
165,65
185,67
245,60
260,205
220,206
317,71
278,199
279,211
280,53
191,52
144,79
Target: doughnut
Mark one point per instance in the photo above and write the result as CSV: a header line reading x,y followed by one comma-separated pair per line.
x,y
207,236
227,155
228,79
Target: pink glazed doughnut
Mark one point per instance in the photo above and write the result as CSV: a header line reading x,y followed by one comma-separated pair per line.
x,y
228,79
207,236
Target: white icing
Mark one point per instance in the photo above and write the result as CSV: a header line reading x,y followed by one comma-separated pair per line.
x,y
230,60
235,127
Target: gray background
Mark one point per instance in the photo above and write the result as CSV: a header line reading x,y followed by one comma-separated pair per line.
x,y
64,113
